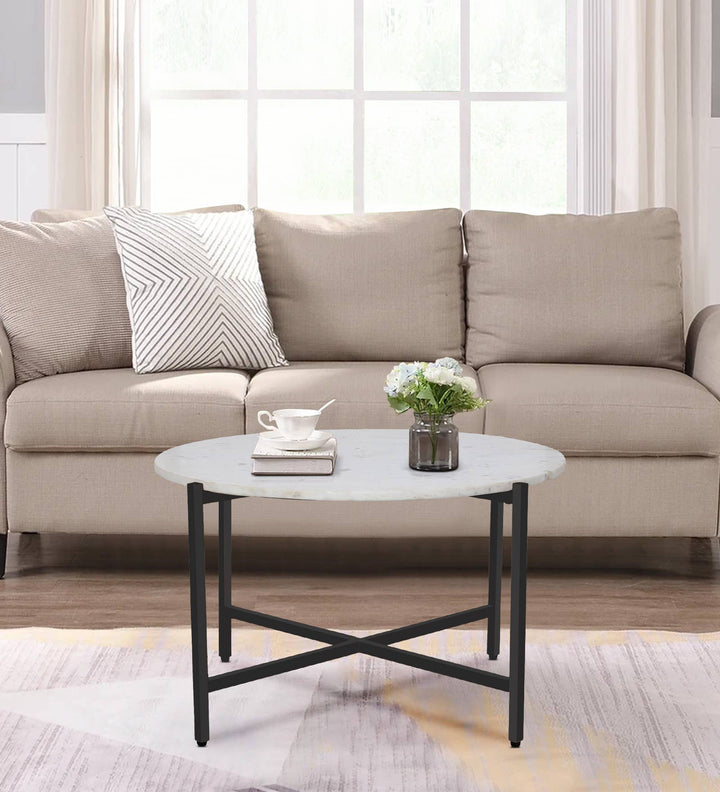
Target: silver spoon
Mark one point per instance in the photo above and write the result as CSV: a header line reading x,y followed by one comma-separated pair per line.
x,y
332,401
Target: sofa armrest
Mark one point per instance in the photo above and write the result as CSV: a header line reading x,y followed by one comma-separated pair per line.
x,y
7,370
702,356
7,383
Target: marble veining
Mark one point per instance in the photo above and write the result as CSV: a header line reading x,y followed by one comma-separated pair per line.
x,y
372,465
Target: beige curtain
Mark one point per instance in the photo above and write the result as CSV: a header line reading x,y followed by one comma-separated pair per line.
x,y
660,68
92,85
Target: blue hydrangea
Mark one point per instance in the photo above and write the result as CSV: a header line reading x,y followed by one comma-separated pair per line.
x,y
401,378
450,363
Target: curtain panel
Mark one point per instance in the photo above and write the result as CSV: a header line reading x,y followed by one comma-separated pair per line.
x,y
661,57
92,87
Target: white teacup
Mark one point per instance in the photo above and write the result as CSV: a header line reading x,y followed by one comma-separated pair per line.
x,y
292,424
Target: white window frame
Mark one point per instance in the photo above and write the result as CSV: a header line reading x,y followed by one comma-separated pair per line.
x,y
581,161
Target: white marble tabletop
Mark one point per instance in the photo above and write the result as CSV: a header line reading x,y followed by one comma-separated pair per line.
x,y
371,465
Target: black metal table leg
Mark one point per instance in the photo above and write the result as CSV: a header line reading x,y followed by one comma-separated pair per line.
x,y
495,578
518,586
3,554
225,577
198,614
341,644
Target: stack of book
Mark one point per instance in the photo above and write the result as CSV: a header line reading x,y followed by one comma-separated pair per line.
x,y
270,461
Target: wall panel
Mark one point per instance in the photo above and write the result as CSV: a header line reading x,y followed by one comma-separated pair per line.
x,y
8,181
32,179
23,165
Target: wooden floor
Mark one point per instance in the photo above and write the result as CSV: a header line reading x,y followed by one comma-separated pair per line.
x,y
113,581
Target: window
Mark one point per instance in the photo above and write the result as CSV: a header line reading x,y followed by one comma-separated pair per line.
x,y
359,105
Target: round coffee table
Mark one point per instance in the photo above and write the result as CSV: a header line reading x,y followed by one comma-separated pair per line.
x,y
371,465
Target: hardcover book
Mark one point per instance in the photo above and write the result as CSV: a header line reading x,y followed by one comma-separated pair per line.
x,y
270,461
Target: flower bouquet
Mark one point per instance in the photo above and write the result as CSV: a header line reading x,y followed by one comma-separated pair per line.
x,y
435,392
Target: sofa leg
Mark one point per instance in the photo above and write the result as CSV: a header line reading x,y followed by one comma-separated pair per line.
x,y
3,554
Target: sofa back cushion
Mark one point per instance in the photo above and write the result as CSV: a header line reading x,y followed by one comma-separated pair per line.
x,y
574,289
62,297
364,287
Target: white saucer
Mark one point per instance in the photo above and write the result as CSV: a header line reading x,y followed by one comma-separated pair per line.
x,y
275,439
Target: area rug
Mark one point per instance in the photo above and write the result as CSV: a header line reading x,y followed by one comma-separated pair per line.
x,y
111,711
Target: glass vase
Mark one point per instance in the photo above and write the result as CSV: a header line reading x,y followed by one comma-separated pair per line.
x,y
433,443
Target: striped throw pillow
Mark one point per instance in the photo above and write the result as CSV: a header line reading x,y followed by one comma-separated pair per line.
x,y
194,291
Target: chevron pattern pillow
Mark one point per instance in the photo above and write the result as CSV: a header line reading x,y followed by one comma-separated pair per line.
x,y
194,291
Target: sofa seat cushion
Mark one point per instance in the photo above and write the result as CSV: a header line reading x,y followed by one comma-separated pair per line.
x,y
118,410
358,388
602,410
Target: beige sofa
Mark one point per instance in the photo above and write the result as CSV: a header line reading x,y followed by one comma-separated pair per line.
x,y
572,326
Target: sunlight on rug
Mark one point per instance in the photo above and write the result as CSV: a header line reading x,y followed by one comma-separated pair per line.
x,y
111,711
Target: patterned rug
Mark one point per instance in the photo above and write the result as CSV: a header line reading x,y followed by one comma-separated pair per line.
x,y
110,711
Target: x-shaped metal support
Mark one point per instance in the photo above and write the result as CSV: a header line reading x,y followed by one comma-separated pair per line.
x,y
377,645
342,644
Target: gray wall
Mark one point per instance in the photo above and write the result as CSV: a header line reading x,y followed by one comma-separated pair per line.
x,y
715,59
22,56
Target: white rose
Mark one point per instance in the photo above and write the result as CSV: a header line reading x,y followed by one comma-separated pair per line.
x,y
439,375
466,383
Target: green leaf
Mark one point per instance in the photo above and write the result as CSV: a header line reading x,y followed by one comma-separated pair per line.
x,y
398,404
426,394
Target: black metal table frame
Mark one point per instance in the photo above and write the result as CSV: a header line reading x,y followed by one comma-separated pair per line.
x,y
340,644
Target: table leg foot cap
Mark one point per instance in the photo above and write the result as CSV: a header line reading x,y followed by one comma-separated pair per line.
x,y
225,659
493,657
203,743
514,744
